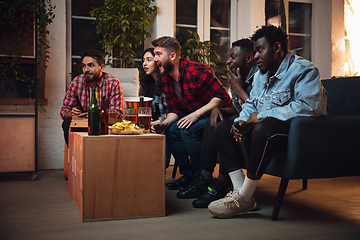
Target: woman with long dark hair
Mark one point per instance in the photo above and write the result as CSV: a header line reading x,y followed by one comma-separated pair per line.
x,y
151,86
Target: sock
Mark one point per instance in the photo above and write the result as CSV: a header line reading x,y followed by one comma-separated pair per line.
x,y
237,179
248,189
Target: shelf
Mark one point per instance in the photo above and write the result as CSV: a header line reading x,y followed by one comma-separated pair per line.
x,y
21,101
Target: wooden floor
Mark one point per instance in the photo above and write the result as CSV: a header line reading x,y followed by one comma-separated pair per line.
x,y
328,209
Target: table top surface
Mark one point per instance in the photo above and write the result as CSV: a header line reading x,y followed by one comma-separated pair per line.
x,y
17,114
143,135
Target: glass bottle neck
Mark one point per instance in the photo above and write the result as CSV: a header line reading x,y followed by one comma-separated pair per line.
x,y
93,96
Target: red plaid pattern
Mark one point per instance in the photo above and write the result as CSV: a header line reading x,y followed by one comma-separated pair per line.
x,y
108,86
198,85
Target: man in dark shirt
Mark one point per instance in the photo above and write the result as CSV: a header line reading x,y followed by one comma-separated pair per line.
x,y
286,86
192,91
241,68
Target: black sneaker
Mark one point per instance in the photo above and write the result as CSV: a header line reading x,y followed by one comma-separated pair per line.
x,y
188,185
215,192
198,187
180,182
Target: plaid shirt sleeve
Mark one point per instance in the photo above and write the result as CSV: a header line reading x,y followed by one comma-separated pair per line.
x,y
198,85
69,101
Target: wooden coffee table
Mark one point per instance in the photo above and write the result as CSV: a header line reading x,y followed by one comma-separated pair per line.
x,y
77,125
117,176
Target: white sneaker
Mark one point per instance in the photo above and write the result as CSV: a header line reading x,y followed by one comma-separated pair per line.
x,y
231,205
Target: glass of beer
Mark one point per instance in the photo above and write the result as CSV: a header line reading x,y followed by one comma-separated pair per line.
x,y
131,115
113,116
144,116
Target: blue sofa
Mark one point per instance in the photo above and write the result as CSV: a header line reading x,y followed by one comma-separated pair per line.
x,y
323,147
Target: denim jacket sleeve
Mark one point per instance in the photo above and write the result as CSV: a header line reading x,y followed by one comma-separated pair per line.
x,y
295,90
248,107
307,99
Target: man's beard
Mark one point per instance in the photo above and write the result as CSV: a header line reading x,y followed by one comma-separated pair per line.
x,y
93,78
269,61
168,66
242,67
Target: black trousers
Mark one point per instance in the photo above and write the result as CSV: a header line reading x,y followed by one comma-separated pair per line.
x,y
66,126
267,138
209,152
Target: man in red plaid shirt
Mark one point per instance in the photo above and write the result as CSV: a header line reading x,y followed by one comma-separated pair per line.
x,y
192,91
93,76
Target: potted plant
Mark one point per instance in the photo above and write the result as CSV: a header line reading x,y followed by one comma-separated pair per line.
x,y
199,51
18,21
122,24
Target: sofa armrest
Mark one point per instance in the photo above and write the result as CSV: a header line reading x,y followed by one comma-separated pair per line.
x,y
321,147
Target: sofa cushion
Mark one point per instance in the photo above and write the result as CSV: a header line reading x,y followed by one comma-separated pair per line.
x,y
325,146
343,95
129,78
320,147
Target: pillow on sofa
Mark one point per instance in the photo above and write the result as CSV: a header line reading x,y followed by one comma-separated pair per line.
x,y
129,78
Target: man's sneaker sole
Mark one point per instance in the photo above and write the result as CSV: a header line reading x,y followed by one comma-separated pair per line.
x,y
230,206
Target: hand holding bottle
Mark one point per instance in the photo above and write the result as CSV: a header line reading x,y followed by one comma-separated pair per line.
x,y
241,138
237,131
78,111
75,112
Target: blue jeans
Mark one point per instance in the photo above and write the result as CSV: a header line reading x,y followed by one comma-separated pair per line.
x,y
185,146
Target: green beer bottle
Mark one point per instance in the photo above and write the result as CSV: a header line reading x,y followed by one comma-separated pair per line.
x,y
94,115
244,145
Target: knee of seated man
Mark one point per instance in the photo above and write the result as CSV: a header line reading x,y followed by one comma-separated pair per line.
x,y
223,130
262,129
173,129
189,133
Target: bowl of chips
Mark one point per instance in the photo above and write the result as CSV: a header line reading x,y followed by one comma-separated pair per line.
x,y
125,128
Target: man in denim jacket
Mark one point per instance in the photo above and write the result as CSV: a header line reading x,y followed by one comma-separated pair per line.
x,y
286,86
